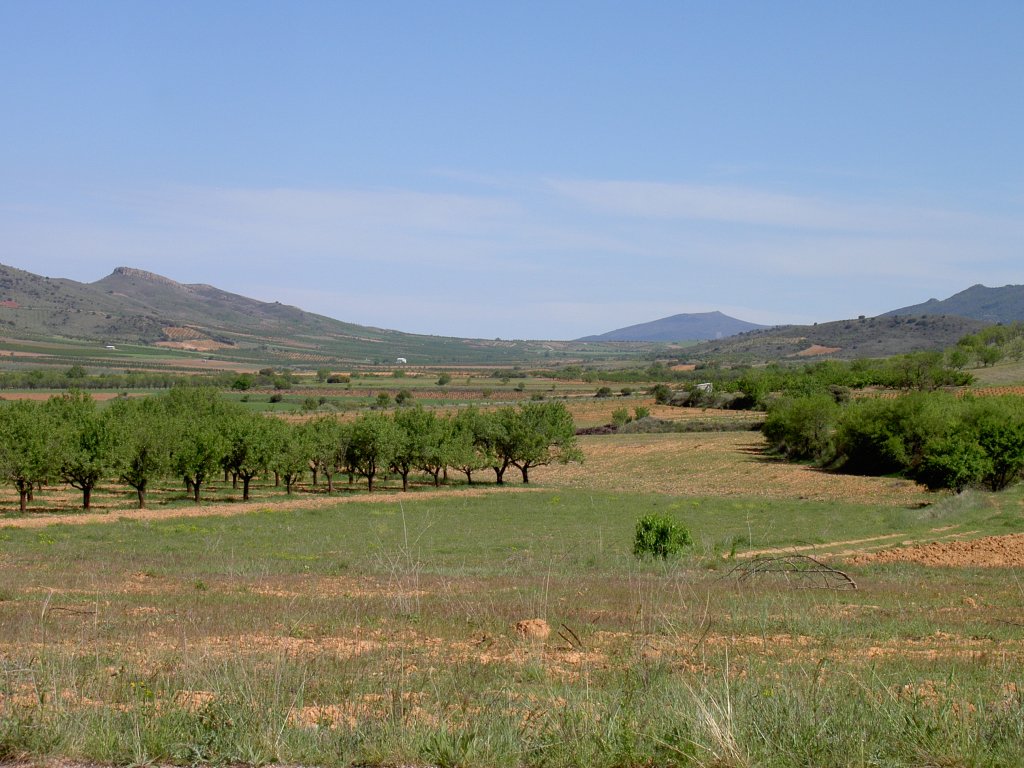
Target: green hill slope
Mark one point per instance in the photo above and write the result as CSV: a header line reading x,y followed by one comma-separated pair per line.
x,y
131,306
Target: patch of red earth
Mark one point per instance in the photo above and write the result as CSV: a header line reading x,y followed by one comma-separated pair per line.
x,y
990,552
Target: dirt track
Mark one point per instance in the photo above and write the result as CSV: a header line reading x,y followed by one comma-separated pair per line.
x,y
226,510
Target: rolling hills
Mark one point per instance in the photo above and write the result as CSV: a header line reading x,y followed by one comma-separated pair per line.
x,y
864,337
132,306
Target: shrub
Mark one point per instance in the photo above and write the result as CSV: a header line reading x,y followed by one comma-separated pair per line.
x,y
444,378
662,393
660,536
603,392
277,397
641,412
802,427
620,416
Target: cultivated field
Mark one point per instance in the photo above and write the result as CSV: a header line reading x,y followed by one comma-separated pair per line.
x,y
317,630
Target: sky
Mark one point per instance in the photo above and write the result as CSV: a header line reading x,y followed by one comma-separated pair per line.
x,y
522,170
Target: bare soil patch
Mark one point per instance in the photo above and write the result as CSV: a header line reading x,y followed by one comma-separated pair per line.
x,y
989,551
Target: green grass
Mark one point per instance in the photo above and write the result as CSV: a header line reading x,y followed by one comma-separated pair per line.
x,y
381,633
1002,374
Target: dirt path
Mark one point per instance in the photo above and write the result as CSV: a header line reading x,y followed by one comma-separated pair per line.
x,y
239,508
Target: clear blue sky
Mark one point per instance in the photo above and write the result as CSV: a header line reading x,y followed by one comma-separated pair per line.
x,y
520,169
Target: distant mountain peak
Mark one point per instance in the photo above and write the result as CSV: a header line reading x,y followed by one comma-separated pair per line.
x,y
695,326
141,274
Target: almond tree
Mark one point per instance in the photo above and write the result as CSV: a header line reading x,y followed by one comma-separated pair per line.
x,y
252,445
373,446
327,440
141,435
539,434
467,446
25,459
82,442
291,452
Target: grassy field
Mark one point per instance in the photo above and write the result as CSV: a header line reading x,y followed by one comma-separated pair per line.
x,y
353,630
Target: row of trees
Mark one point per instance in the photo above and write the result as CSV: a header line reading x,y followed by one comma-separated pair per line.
x,y
195,435
935,438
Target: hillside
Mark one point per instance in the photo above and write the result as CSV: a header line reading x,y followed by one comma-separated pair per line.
x,y
131,306
864,337
992,305
697,326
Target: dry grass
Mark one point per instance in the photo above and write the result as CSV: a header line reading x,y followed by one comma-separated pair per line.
x,y
719,464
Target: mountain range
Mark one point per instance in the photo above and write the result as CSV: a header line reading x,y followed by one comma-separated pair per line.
x,y
132,306
990,305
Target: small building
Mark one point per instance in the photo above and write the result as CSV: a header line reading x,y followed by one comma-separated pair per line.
x,y
401,361
110,346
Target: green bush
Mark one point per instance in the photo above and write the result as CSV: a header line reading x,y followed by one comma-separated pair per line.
x,y
620,417
660,536
662,393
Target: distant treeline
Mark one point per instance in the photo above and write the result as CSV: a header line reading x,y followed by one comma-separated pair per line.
x,y
919,370
77,377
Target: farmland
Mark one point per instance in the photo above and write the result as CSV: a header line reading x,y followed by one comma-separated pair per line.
x,y
382,629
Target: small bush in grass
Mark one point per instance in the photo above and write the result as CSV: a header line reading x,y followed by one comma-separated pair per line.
x,y
660,536
620,417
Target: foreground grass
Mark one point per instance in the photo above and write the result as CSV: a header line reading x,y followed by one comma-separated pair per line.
x,y
383,634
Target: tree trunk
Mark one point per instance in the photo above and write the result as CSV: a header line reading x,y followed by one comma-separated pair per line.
x,y
369,483
469,476
23,499
140,491
330,484
405,480
86,496
437,479
245,487
30,491
525,470
313,469
234,481
225,474
277,479
195,488
189,485
500,474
